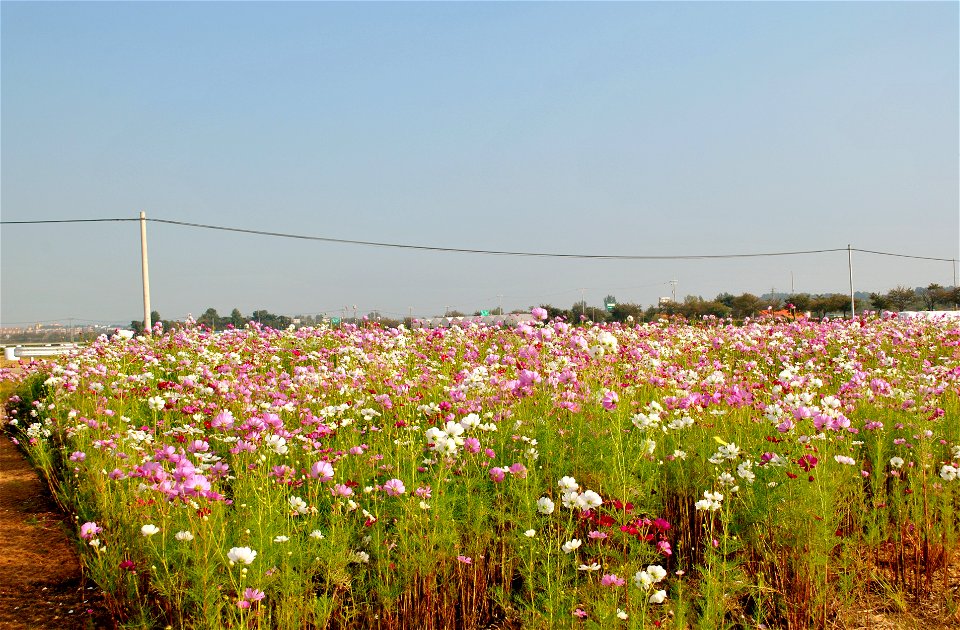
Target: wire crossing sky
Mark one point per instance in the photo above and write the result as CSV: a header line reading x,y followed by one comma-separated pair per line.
x,y
456,250
611,144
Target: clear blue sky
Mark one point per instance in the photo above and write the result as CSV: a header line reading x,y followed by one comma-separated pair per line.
x,y
622,128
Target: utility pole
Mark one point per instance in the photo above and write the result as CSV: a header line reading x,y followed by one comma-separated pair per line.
x,y
791,283
583,303
147,326
500,295
673,289
850,268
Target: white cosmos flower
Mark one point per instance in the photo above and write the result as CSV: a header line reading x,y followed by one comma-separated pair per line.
x,y
298,505
896,462
658,597
656,572
589,500
241,554
589,567
568,484
149,530
571,545
183,536
545,505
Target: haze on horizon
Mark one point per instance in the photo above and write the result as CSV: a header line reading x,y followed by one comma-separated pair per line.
x,y
598,128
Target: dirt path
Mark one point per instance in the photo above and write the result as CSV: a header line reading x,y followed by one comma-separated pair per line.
x,y
40,581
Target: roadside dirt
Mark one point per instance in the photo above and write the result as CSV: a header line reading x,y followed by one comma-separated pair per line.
x,y
41,585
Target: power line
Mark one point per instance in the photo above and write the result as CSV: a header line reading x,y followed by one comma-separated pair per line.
x,y
870,251
63,221
487,251
493,252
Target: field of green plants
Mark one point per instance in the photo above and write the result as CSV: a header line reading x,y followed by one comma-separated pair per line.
x,y
673,475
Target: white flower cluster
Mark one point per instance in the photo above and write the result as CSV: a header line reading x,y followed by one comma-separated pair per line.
x,y
745,471
726,451
448,440
571,498
711,501
680,423
298,506
277,444
645,579
650,418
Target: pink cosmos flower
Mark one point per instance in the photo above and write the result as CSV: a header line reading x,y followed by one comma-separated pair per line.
x,y
89,529
253,594
518,470
322,471
610,400
465,559
611,579
394,487
579,612
342,490
539,313
497,474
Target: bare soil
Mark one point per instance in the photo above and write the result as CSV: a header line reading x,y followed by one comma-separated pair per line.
x,y
41,585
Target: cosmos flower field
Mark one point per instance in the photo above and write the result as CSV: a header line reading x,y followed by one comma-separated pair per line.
x,y
545,476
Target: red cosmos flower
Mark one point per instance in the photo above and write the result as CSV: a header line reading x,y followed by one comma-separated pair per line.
x,y
807,463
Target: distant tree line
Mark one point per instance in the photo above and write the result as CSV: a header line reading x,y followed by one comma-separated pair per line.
x,y
739,307
745,305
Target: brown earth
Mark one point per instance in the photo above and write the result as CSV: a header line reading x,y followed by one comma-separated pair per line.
x,y
41,585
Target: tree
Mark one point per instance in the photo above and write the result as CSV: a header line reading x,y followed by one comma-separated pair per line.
x,y
236,318
725,298
621,312
821,305
745,305
901,298
879,302
210,319
936,296
800,301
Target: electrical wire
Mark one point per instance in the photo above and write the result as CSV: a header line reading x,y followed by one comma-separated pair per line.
x,y
870,251
484,251
493,252
63,221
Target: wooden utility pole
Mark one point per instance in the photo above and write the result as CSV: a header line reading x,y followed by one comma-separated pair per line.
x,y
147,325
850,268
